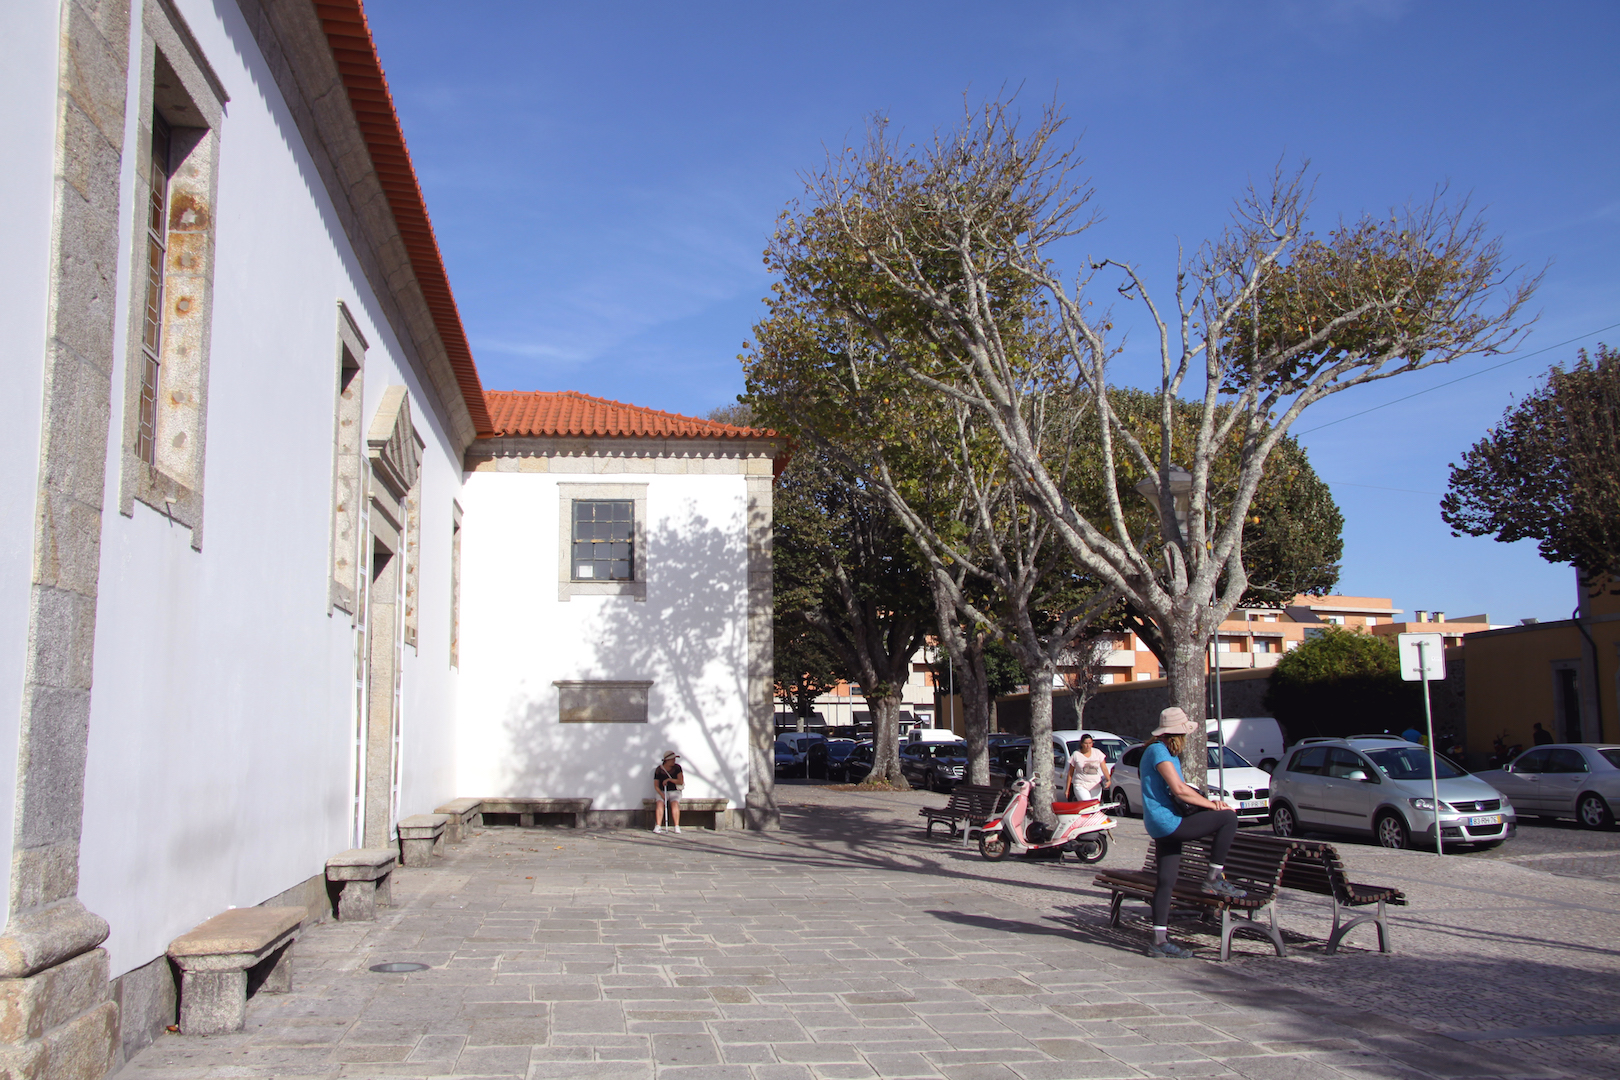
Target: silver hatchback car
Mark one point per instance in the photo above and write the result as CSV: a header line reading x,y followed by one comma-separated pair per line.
x,y
1380,786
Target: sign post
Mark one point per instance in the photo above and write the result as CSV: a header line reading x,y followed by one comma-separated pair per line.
x,y
1423,657
1220,721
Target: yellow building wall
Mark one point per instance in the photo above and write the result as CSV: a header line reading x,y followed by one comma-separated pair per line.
x,y
1511,684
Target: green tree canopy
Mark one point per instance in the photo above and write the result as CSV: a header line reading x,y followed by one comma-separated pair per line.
x,y
1550,471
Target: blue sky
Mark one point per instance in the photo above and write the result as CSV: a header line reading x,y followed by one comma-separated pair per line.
x,y
603,178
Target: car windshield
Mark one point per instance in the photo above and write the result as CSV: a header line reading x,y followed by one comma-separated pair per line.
x,y
1412,763
1234,760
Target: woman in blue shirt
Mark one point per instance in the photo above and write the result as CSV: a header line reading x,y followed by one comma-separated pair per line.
x,y
1170,825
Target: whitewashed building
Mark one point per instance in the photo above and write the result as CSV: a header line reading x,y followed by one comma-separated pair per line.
x,y
263,528
615,565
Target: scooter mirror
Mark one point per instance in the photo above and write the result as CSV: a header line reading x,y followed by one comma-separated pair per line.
x,y
1020,774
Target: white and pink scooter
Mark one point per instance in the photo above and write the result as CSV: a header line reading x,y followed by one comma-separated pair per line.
x,y
1082,827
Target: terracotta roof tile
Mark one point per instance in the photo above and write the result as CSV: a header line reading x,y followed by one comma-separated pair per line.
x,y
349,36
567,413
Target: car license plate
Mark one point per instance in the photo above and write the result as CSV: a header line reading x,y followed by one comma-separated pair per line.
x,y
1252,804
1490,819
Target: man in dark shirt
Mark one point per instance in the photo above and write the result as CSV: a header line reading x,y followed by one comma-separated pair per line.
x,y
667,783
1540,736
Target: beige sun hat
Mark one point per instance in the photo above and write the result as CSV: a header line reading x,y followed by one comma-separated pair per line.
x,y
667,754
1174,721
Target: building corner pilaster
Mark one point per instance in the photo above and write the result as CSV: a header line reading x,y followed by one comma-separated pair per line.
x,y
761,812
57,1021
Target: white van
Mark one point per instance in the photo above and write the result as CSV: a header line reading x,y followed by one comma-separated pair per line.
x,y
1258,738
932,734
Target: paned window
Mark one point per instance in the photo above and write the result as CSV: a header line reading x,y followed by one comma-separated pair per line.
x,y
604,540
157,245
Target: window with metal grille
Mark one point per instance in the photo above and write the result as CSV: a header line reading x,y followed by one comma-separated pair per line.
x,y
604,539
157,245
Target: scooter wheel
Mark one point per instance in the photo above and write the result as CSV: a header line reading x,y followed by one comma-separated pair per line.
x,y
1091,849
993,846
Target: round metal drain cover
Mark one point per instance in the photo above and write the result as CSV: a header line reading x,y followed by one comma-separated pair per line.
x,y
397,967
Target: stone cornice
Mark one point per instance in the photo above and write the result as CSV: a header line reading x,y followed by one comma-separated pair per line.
x,y
487,455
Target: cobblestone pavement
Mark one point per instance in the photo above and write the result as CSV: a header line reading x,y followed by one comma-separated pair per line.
x,y
850,946
1563,848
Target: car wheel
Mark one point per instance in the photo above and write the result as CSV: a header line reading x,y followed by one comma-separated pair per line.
x,y
1392,832
1593,812
993,845
1282,820
1268,765
1124,803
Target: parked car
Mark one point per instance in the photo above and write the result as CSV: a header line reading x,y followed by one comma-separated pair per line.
x,y
931,734
1247,788
854,766
1578,780
937,766
1009,761
1067,741
1257,738
1380,786
807,752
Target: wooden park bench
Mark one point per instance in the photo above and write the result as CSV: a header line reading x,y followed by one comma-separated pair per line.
x,y
970,806
1256,870
1313,866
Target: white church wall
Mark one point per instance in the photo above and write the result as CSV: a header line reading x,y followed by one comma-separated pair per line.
x,y
28,131
688,637
221,734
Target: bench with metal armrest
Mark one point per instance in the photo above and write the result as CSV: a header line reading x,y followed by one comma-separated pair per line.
x,y
1257,871
1314,866
970,806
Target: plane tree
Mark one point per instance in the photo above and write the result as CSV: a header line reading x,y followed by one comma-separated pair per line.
x,y
1260,323
1550,471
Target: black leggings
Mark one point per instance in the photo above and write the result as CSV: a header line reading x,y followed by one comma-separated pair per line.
x,y
1167,849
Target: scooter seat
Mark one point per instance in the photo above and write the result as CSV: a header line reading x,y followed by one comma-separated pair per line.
x,y
1074,807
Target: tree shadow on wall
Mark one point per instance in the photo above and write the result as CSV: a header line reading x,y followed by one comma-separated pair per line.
x,y
689,637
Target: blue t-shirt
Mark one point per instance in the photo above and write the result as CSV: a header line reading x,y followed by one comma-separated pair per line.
x,y
1158,805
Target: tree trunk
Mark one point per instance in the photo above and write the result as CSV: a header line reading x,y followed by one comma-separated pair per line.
x,y
1040,743
886,741
1187,690
976,709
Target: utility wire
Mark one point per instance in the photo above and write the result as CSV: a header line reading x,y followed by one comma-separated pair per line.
x,y
1454,382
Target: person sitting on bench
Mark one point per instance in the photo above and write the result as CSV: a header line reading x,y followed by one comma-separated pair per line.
x,y
1174,812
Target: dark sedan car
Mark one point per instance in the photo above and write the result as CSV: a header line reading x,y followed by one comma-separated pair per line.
x,y
938,766
854,766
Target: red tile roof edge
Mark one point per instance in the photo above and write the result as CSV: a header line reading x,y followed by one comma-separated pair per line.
x,y
568,413
355,52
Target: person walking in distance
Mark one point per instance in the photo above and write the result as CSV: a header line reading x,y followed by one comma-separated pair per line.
x,y
1174,812
1088,774
667,783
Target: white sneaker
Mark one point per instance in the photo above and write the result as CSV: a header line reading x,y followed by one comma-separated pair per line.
x,y
677,828
658,828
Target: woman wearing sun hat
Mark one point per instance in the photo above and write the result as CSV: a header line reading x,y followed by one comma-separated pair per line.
x,y
1174,812
667,783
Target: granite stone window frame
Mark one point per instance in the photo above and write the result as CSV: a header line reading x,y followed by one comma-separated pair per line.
x,y
567,586
602,701
171,283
